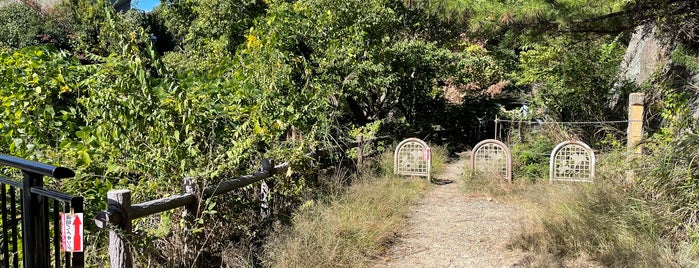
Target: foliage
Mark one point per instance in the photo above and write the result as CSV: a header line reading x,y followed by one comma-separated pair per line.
x,y
682,56
122,118
199,35
21,25
349,48
122,123
489,19
678,20
531,158
30,24
38,108
573,78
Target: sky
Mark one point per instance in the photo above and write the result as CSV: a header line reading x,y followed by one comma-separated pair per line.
x,y
145,5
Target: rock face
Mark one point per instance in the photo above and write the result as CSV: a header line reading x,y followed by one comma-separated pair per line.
x,y
645,56
647,60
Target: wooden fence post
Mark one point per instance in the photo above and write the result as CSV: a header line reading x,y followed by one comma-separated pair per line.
x,y
635,130
119,250
360,154
191,211
267,165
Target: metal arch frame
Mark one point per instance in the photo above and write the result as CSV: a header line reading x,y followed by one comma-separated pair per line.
x,y
424,146
593,161
503,146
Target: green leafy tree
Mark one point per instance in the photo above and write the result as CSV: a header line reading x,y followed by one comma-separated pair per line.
x,y
573,80
200,35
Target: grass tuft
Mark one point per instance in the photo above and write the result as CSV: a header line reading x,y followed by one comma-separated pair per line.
x,y
440,156
605,223
350,228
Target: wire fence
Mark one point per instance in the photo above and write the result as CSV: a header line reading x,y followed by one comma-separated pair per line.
x,y
541,122
592,132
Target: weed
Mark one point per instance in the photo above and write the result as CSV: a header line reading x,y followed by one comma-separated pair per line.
x,y
608,223
598,221
439,156
350,228
531,158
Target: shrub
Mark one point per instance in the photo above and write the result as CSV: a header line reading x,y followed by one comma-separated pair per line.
x,y
20,25
531,156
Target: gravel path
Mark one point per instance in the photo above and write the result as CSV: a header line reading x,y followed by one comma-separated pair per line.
x,y
450,228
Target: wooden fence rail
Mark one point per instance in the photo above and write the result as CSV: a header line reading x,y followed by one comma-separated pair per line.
x,y
120,212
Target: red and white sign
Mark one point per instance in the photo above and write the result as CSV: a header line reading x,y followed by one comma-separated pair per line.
x,y
426,153
72,232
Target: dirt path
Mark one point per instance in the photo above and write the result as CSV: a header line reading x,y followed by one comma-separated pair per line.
x,y
450,228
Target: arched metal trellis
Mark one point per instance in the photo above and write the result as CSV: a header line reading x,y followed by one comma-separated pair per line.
x,y
572,161
413,158
492,157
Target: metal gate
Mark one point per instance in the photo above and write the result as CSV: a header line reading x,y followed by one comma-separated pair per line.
x,y
31,217
572,161
493,158
412,158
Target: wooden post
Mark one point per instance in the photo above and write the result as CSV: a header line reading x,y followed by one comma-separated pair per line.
x,y
360,153
267,165
635,130
119,201
191,210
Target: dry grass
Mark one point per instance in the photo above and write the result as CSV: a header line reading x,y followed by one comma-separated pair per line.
x,y
595,222
350,228
440,156
601,224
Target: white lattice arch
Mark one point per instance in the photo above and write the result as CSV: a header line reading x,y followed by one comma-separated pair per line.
x,y
572,161
494,157
412,158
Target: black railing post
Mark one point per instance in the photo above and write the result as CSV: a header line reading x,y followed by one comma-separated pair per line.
x,y
78,258
35,231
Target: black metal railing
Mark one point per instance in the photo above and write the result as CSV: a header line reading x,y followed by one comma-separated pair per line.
x,y
31,217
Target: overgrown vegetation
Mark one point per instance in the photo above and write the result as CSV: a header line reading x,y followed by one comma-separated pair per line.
x,y
598,223
629,217
349,228
206,88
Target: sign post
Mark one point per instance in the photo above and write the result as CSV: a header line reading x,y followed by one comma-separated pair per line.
x,y
72,232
